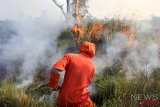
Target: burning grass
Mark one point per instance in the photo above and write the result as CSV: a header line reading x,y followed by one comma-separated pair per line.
x,y
98,32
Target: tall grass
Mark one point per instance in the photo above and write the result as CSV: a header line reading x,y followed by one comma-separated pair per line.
x,y
10,96
111,91
117,91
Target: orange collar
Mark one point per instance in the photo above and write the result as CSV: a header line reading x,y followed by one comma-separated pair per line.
x,y
85,54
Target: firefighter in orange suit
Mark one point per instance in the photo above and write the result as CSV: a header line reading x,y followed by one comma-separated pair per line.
x,y
79,72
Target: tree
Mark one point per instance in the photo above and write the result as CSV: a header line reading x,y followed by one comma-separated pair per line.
x,y
80,7
60,7
73,8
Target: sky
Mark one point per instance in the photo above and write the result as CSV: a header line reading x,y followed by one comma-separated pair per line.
x,y
137,9
13,9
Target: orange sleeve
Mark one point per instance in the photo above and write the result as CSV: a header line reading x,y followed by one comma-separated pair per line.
x,y
54,78
62,63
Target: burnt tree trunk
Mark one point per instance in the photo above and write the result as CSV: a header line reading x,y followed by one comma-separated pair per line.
x,y
68,13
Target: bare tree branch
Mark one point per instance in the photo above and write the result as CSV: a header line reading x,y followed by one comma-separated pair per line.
x,y
60,6
68,8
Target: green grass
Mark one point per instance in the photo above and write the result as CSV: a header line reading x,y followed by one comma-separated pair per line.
x,y
111,91
116,91
10,96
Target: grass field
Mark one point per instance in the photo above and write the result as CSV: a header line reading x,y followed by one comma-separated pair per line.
x,y
111,91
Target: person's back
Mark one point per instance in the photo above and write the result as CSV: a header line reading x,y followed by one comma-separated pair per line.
x,y
79,72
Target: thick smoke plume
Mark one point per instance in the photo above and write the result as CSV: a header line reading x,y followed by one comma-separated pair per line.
x,y
27,44
145,57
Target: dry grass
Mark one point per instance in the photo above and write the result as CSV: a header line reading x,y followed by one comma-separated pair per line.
x,y
10,96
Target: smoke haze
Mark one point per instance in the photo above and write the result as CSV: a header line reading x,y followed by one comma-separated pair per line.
x,y
28,40
144,57
28,43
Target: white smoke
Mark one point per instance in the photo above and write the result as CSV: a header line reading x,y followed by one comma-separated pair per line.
x,y
34,45
144,58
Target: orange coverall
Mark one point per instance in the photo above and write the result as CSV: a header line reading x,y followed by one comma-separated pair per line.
x,y
80,71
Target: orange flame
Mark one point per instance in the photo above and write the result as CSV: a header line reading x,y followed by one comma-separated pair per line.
x,y
79,18
78,30
133,42
95,30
